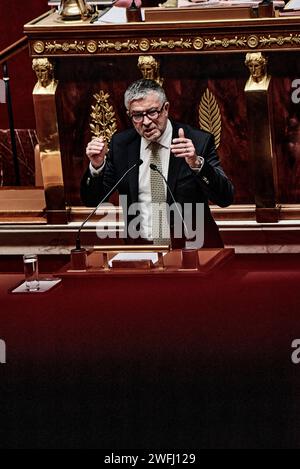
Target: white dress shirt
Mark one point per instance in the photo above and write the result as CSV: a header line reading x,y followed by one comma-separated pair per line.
x,y
144,194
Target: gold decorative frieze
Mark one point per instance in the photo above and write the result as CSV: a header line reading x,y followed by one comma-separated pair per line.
x,y
92,47
268,41
106,46
210,116
252,41
76,46
38,47
198,43
103,118
171,44
225,42
144,45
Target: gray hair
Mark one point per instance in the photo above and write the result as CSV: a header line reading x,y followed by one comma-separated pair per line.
x,y
139,89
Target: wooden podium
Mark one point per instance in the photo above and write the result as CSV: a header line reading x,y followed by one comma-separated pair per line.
x,y
178,261
195,55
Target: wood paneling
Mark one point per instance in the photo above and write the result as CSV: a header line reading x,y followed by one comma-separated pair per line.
x,y
26,141
193,55
185,81
14,14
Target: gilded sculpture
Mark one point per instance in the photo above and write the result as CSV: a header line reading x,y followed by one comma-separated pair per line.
x,y
257,65
74,10
103,117
44,70
149,67
210,116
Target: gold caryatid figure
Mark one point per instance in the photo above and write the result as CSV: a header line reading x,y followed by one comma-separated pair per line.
x,y
259,111
44,70
257,64
149,67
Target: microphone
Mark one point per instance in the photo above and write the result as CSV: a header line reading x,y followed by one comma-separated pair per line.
x,y
78,248
155,168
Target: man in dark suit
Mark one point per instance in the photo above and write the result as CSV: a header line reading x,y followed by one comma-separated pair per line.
x,y
187,158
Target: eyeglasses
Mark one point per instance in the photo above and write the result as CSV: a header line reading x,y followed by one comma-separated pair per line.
x,y
152,114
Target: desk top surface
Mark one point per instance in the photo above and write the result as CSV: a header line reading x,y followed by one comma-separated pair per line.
x,y
50,37
51,19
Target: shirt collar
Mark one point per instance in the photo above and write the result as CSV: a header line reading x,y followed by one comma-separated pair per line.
x,y
164,140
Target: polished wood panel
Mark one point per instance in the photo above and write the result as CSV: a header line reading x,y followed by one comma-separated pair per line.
x,y
186,79
26,140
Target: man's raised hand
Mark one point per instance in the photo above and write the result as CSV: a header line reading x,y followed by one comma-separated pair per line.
x,y
96,150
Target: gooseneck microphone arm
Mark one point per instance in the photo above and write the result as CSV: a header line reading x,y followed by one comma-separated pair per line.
x,y
155,168
78,243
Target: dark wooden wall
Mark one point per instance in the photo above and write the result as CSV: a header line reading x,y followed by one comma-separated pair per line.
x,y
13,15
186,79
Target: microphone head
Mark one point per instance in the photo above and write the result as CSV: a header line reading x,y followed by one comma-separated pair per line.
x,y
153,166
140,162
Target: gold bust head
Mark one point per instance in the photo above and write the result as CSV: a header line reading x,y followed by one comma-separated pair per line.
x,y
44,70
257,65
149,68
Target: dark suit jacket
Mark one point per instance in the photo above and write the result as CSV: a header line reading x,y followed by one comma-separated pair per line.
x,y
211,184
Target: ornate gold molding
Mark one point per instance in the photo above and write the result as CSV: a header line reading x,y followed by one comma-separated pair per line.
x,y
198,43
268,41
103,120
105,46
170,44
38,47
226,42
92,47
76,46
252,41
210,116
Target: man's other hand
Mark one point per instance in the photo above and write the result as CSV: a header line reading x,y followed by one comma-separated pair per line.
x,y
183,147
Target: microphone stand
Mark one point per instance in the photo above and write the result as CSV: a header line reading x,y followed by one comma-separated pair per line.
x,y
190,259
79,254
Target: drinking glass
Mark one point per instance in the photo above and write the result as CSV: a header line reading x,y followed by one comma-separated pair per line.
x,y
31,272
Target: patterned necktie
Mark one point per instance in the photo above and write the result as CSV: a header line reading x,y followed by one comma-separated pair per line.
x,y
160,226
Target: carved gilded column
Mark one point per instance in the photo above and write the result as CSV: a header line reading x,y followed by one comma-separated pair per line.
x,y
47,132
262,156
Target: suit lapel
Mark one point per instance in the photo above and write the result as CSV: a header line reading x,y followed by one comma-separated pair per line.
x,y
134,148
174,165
133,176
